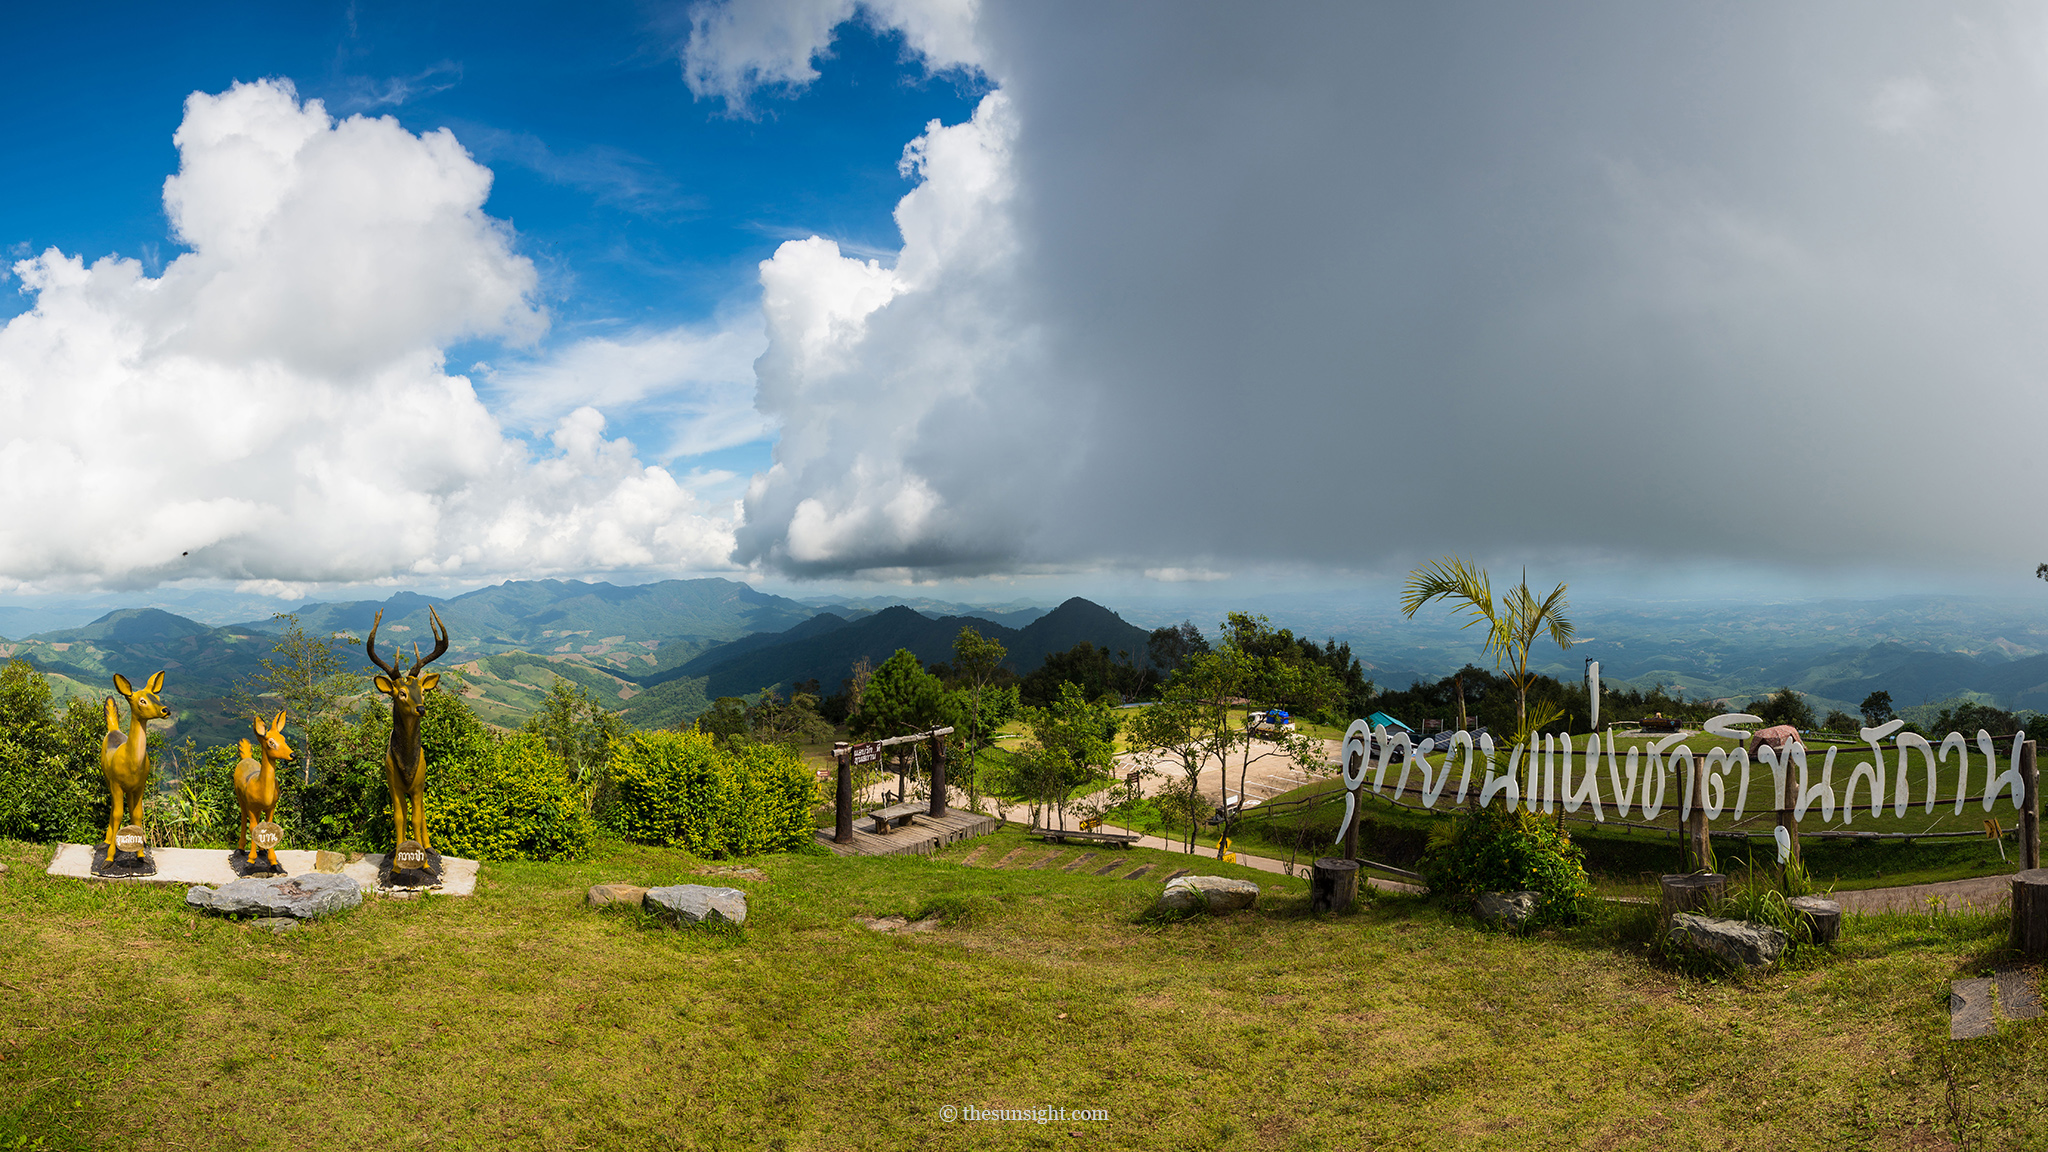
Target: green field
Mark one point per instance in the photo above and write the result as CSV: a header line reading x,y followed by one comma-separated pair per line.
x,y
518,1019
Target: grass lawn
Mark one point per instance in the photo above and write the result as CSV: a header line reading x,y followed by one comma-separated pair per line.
x,y
518,1019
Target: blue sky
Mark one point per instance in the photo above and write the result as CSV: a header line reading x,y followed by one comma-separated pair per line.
x,y
642,204
1022,299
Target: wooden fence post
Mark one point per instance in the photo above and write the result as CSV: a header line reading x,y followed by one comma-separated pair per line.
x,y
2030,912
2030,810
938,807
842,803
1788,806
1699,844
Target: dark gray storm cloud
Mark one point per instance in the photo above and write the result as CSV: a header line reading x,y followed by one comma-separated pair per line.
x,y
1205,288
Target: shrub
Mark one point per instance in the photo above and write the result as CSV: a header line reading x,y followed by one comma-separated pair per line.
x,y
1498,850
508,799
682,790
50,783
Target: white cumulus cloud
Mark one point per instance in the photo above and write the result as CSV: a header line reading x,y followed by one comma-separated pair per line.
x,y
275,406
737,47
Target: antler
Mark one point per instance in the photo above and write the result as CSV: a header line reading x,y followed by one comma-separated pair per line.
x,y
389,669
440,643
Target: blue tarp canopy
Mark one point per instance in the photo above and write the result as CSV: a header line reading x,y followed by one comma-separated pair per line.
x,y
1381,718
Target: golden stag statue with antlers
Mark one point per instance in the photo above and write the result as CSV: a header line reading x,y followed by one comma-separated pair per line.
x,y
256,786
125,757
405,764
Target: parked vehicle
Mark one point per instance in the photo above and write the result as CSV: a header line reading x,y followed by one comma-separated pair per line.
x,y
1271,722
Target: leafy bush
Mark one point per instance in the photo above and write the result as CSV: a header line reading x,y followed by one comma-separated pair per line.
x,y
1498,850
508,799
682,790
50,783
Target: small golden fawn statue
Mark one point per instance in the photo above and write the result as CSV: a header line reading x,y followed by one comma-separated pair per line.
x,y
405,763
256,783
125,757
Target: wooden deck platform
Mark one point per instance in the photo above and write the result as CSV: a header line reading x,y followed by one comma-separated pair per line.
x,y
923,837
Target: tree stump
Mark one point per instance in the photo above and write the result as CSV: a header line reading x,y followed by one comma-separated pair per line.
x,y
1823,917
1333,885
2030,912
1693,892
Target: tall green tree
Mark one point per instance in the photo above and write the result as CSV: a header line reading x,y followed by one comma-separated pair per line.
x,y
1166,647
1072,744
1185,729
1267,668
976,660
792,723
309,678
725,720
1514,622
1785,707
577,729
900,698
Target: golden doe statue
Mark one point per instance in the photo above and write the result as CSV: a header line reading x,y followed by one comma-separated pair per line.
x,y
256,791
124,758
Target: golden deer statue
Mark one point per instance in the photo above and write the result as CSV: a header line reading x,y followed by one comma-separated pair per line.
x,y
125,757
405,765
256,783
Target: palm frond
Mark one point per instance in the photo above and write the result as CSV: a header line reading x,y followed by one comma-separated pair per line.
x,y
1451,579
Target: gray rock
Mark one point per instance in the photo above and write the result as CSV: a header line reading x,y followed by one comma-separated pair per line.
x,y
304,897
1510,908
1970,1011
696,903
1207,894
1736,942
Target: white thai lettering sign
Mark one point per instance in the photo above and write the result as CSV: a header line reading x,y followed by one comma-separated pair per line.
x,y
1539,776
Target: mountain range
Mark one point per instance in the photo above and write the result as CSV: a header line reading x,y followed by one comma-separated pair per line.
x,y
826,647
658,652
662,652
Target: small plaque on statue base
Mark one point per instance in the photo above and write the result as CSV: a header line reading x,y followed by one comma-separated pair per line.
x,y
131,854
411,866
262,859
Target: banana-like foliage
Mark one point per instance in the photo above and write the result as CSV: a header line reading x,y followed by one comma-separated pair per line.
x,y
1514,621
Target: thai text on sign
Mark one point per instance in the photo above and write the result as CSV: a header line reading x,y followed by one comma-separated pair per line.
x,y
867,753
1540,775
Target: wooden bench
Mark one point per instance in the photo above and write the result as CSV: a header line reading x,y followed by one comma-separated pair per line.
x,y
1062,835
895,816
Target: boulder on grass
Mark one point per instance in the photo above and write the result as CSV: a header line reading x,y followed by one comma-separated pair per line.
x,y
304,897
697,904
614,895
1736,942
1207,894
1510,908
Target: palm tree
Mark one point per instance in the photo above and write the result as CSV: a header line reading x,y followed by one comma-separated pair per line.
x,y
1513,624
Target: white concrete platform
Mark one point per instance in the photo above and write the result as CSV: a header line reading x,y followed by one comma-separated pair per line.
x,y
210,866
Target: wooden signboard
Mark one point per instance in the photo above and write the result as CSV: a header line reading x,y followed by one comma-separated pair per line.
x,y
870,753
